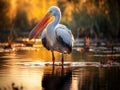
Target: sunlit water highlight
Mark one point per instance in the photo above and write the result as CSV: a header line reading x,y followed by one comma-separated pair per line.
x,y
33,70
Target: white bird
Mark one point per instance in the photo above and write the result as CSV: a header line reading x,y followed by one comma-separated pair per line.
x,y
55,37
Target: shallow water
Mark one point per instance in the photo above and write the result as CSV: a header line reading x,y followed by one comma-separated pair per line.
x,y
33,70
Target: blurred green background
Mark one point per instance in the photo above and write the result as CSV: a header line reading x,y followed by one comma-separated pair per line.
x,y
97,18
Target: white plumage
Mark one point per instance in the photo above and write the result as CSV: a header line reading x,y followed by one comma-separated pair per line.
x,y
54,42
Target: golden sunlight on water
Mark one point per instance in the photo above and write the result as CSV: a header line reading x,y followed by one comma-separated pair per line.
x,y
29,78
32,70
26,76
40,55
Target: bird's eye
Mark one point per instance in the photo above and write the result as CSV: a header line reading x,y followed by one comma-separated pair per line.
x,y
50,11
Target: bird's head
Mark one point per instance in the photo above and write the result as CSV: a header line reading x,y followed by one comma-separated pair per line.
x,y
52,11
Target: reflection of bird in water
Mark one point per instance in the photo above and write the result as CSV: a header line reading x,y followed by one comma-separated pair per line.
x,y
55,37
59,79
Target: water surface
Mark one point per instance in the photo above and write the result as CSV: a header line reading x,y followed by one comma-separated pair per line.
x,y
32,70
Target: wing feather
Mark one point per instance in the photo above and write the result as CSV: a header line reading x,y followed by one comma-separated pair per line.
x,y
64,35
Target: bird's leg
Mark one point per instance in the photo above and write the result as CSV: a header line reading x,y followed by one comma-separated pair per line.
x,y
53,57
62,58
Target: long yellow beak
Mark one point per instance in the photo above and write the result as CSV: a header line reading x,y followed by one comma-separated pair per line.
x,y
35,31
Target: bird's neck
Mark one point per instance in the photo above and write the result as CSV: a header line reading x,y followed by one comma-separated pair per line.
x,y
52,25
56,20
51,29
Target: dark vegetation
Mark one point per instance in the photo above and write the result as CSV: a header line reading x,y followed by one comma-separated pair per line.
x,y
96,18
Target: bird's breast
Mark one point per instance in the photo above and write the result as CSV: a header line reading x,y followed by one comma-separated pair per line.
x,y
51,39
